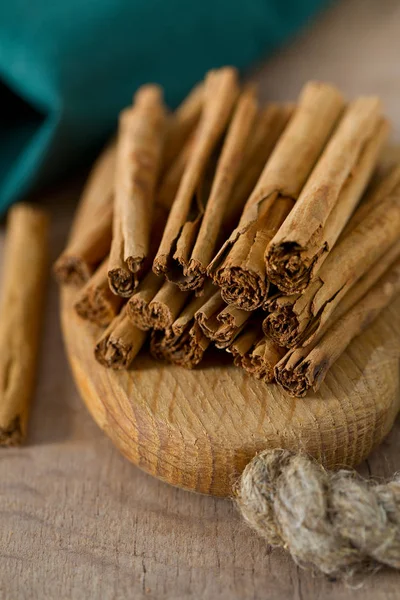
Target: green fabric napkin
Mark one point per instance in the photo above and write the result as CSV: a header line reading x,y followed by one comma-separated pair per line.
x,y
68,66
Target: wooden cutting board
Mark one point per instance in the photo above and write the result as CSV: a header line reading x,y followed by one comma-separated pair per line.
x,y
198,429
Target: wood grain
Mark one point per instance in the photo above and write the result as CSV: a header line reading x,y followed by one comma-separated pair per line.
x,y
77,520
198,429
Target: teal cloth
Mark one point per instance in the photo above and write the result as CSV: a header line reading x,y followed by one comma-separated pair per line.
x,y
68,66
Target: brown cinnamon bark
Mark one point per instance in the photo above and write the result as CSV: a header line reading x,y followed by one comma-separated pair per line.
x,y
156,304
219,322
120,343
329,198
181,230
21,310
171,179
286,371
266,131
181,125
90,238
297,374
183,343
226,175
96,302
256,353
242,276
262,359
239,267
295,320
245,343
140,143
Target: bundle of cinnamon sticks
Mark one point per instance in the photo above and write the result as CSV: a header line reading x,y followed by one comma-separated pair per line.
x,y
270,232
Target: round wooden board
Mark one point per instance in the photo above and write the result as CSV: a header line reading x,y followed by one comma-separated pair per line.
x,y
198,429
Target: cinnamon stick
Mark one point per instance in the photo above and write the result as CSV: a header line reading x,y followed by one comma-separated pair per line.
x,y
239,268
286,371
181,124
296,319
219,322
21,310
187,210
262,359
267,129
95,301
140,143
90,237
310,371
329,197
183,343
226,175
241,276
171,179
255,353
120,343
156,303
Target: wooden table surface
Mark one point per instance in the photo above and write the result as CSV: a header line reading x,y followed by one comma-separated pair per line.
x,y
77,521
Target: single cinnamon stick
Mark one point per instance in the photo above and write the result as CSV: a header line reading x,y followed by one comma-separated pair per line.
x,y
219,322
239,268
120,343
156,304
296,319
183,343
329,197
311,370
266,131
181,124
226,175
171,179
21,310
256,353
90,238
262,359
140,143
184,219
244,343
95,301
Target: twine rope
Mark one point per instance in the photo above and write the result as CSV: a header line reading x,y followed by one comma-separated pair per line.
x,y
337,522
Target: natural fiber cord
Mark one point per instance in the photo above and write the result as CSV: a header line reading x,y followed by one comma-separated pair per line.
x,y
335,521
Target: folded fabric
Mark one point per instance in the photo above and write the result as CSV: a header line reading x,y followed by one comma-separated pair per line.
x,y
67,68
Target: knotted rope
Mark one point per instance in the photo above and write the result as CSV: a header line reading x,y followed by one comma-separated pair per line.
x,y
335,521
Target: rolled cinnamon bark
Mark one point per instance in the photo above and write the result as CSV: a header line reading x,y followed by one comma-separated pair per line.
x,y
242,277
120,343
329,198
298,373
256,353
239,268
90,238
220,93
219,322
140,143
183,343
226,175
286,370
267,129
295,320
171,179
262,359
244,343
95,301
156,304
181,124
21,310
